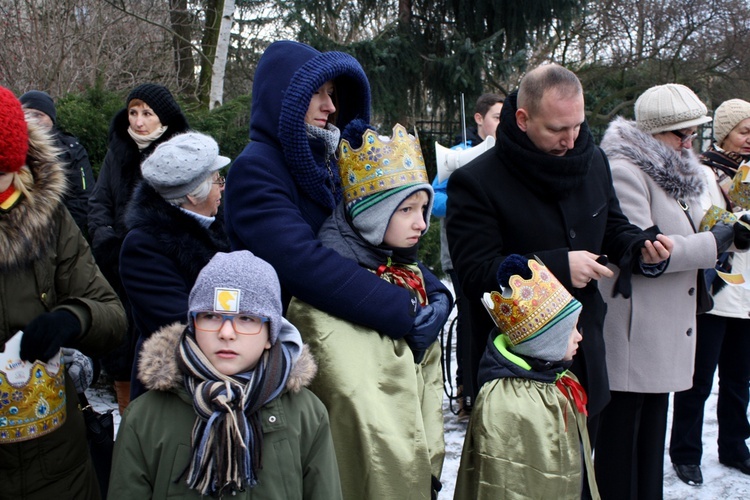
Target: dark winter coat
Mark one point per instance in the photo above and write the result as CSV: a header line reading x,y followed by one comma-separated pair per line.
x,y
161,257
78,171
46,265
118,177
152,451
516,199
271,211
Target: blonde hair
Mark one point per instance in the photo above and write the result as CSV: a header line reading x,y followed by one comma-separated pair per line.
x,y
23,181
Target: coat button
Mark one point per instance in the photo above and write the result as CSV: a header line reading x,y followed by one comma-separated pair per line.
x,y
272,419
689,332
691,292
572,233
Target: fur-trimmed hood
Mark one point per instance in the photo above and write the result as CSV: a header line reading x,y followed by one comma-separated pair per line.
x,y
26,231
158,368
679,175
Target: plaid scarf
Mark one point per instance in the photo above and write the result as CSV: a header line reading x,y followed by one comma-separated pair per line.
x,y
227,437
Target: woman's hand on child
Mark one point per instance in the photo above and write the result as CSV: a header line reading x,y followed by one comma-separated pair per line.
x,y
428,324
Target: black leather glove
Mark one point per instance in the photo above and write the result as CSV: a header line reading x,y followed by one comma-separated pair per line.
x,y
724,234
742,233
428,324
43,337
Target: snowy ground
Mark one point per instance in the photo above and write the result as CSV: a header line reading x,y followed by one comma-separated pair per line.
x,y
720,482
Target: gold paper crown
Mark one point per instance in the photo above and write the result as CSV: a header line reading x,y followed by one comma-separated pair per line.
x,y
379,164
530,305
32,395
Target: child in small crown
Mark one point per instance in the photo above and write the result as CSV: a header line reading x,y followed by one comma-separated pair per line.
x,y
227,412
383,394
528,426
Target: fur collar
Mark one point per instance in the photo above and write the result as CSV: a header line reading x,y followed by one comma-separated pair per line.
x,y
679,175
158,369
27,230
179,235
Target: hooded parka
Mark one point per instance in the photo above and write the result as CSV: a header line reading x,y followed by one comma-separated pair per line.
x,y
152,451
46,265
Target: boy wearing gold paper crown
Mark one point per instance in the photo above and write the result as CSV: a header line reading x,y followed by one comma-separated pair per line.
x,y
383,394
529,420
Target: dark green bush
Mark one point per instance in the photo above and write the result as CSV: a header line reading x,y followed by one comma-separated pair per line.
x,y
87,117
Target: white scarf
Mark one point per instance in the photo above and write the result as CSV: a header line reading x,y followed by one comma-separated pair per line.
x,y
144,141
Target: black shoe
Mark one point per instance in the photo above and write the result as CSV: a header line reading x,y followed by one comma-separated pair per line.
x,y
743,466
689,474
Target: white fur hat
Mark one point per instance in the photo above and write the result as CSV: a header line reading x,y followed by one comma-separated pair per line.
x,y
669,107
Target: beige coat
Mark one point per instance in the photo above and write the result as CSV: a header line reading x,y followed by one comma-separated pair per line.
x,y
650,337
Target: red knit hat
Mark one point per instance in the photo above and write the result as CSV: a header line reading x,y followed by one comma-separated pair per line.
x,y
14,136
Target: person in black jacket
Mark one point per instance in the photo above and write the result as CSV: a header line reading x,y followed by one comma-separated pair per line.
x,y
545,190
39,106
173,232
151,116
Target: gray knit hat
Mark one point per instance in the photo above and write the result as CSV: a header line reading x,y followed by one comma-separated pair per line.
x,y
238,282
727,116
179,165
669,107
372,214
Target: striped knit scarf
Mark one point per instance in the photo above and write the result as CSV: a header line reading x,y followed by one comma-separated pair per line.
x,y
227,437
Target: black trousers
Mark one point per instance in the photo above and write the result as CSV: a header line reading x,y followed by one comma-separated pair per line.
x,y
726,342
629,457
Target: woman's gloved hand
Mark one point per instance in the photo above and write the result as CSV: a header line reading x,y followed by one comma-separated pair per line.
x,y
428,324
47,333
80,368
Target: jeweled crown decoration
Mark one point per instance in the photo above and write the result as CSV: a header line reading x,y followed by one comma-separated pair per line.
x,y
381,164
32,395
526,306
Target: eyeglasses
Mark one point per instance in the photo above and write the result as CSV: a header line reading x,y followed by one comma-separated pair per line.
x,y
244,324
684,138
220,180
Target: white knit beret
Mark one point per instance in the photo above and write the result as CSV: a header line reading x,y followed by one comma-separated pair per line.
x,y
179,165
727,116
669,107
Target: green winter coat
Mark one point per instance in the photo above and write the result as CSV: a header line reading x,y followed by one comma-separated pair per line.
x,y
45,265
152,450
386,411
525,436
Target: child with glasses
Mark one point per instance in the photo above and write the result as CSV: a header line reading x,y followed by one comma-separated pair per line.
x,y
227,411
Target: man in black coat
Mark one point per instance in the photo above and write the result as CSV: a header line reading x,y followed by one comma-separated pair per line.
x,y
39,106
545,189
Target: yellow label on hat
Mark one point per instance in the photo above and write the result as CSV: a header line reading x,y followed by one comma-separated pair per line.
x,y
227,300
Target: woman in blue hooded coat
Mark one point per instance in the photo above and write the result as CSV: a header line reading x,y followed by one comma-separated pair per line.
x,y
285,183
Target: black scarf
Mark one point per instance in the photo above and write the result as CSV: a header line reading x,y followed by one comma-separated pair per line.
x,y
545,174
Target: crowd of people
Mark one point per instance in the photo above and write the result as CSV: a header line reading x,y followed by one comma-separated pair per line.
x,y
274,335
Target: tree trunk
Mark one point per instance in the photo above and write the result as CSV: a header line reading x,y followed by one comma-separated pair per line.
x,y
179,17
216,97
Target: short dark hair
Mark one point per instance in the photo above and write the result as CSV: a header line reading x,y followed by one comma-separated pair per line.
x,y
486,101
543,78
